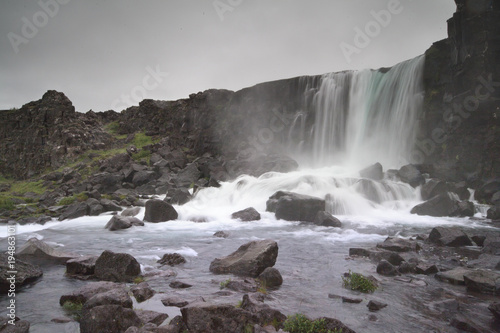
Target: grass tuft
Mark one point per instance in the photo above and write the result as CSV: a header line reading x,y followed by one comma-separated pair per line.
x,y
359,282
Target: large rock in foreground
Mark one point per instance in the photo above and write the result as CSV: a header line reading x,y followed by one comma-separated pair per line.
x,y
116,267
159,211
295,207
250,259
26,273
37,251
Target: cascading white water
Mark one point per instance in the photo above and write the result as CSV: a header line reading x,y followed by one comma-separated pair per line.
x,y
368,116
360,118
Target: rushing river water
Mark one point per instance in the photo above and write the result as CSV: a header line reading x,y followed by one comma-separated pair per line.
x,y
311,258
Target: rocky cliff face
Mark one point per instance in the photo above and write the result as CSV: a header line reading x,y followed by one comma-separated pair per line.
x,y
459,131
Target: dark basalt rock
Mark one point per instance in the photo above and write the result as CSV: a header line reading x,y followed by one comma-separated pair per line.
x,y
26,273
83,294
142,292
485,193
246,215
108,318
178,196
375,305
327,220
449,237
118,222
444,204
83,266
271,277
159,211
387,269
172,259
250,259
295,207
117,267
411,175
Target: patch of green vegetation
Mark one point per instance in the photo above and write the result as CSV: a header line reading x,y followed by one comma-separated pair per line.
x,y
28,186
248,328
144,153
224,284
138,279
299,323
74,309
355,281
80,197
113,128
238,305
141,139
262,288
6,203
67,201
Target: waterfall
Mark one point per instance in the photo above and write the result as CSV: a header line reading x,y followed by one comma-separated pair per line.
x,y
363,117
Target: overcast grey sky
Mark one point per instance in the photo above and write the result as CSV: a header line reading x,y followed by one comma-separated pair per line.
x,y
107,54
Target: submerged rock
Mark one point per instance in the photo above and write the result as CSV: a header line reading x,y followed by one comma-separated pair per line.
x,y
387,269
172,259
250,259
375,305
326,219
246,215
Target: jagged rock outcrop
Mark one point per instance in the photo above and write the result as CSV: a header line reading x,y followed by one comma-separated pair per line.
x,y
45,134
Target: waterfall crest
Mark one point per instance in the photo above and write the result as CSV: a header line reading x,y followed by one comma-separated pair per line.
x,y
368,116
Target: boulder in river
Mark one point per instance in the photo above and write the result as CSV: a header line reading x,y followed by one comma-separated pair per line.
x,y
246,215
295,207
159,211
26,273
119,222
411,175
81,267
39,252
326,219
250,259
142,292
108,318
374,172
444,204
117,267
271,277
449,237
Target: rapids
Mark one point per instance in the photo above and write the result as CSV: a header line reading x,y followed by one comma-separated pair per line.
x,y
361,118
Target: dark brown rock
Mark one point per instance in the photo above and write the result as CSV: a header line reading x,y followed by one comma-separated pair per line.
x,y
449,237
250,259
117,267
172,259
142,292
159,211
246,215
26,273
